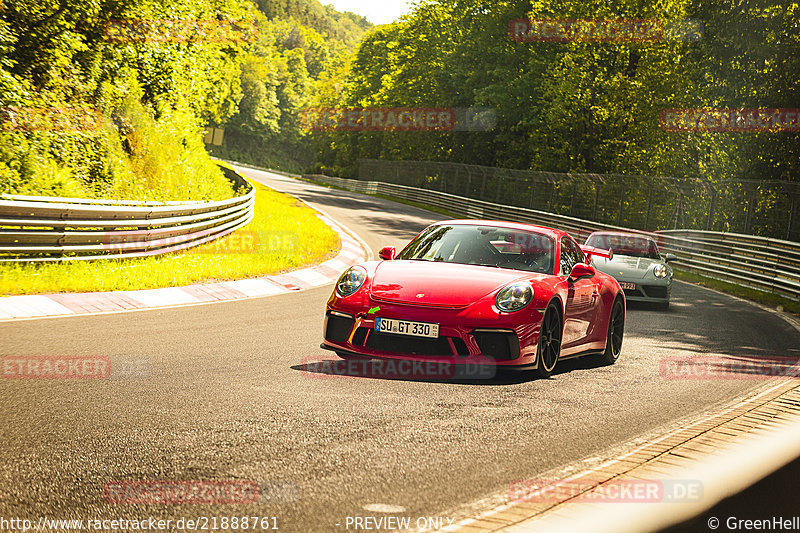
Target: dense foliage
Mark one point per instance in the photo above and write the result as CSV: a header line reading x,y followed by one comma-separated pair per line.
x,y
109,98
151,95
580,106
299,60
560,106
344,27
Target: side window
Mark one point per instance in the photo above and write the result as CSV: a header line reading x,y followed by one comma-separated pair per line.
x,y
566,256
571,255
653,250
580,257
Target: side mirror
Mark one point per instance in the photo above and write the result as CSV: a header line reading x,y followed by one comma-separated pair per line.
x,y
388,253
670,257
582,270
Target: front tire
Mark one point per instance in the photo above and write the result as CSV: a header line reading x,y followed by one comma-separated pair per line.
x,y
549,348
616,331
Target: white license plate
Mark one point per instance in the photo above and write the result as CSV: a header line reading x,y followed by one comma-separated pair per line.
x,y
404,327
629,286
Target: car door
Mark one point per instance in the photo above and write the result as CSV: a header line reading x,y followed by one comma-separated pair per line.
x,y
582,299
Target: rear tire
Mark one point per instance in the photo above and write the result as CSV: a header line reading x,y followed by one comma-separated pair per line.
x,y
549,348
616,331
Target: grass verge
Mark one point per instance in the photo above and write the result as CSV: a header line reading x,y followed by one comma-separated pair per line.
x,y
284,235
764,298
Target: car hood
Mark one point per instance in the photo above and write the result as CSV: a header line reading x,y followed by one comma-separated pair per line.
x,y
626,266
438,284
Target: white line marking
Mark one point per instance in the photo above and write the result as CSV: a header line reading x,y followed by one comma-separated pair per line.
x,y
384,508
311,277
161,297
256,287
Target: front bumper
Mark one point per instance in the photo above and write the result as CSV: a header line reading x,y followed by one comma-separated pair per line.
x,y
648,290
490,339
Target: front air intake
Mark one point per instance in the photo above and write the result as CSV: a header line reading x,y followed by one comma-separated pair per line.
x,y
338,327
387,342
497,344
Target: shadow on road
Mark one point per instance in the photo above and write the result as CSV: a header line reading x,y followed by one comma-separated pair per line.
x,y
402,370
649,306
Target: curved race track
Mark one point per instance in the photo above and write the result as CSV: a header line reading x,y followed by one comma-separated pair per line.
x,y
228,399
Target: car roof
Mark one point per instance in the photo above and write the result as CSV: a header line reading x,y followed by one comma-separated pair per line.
x,y
551,232
622,234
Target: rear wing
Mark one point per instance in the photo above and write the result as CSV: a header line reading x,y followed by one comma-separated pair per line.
x,y
591,251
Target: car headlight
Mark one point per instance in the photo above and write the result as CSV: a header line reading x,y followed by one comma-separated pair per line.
x,y
351,281
514,297
660,271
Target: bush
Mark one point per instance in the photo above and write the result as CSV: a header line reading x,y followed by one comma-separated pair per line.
x,y
130,155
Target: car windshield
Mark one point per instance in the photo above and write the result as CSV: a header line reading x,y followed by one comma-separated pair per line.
x,y
630,245
483,245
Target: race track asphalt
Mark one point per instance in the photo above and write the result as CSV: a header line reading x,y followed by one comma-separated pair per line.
x,y
224,396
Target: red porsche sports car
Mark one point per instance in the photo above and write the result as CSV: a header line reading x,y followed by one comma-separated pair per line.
x,y
485,292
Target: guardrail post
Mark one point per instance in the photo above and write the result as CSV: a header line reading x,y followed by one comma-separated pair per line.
x,y
574,194
516,191
678,215
792,211
596,180
649,204
710,219
552,195
751,200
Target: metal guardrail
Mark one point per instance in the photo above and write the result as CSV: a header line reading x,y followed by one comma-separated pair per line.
x,y
761,263
48,229
735,205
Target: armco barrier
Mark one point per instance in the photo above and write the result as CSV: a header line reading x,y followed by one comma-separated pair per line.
x,y
765,264
40,228
767,207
